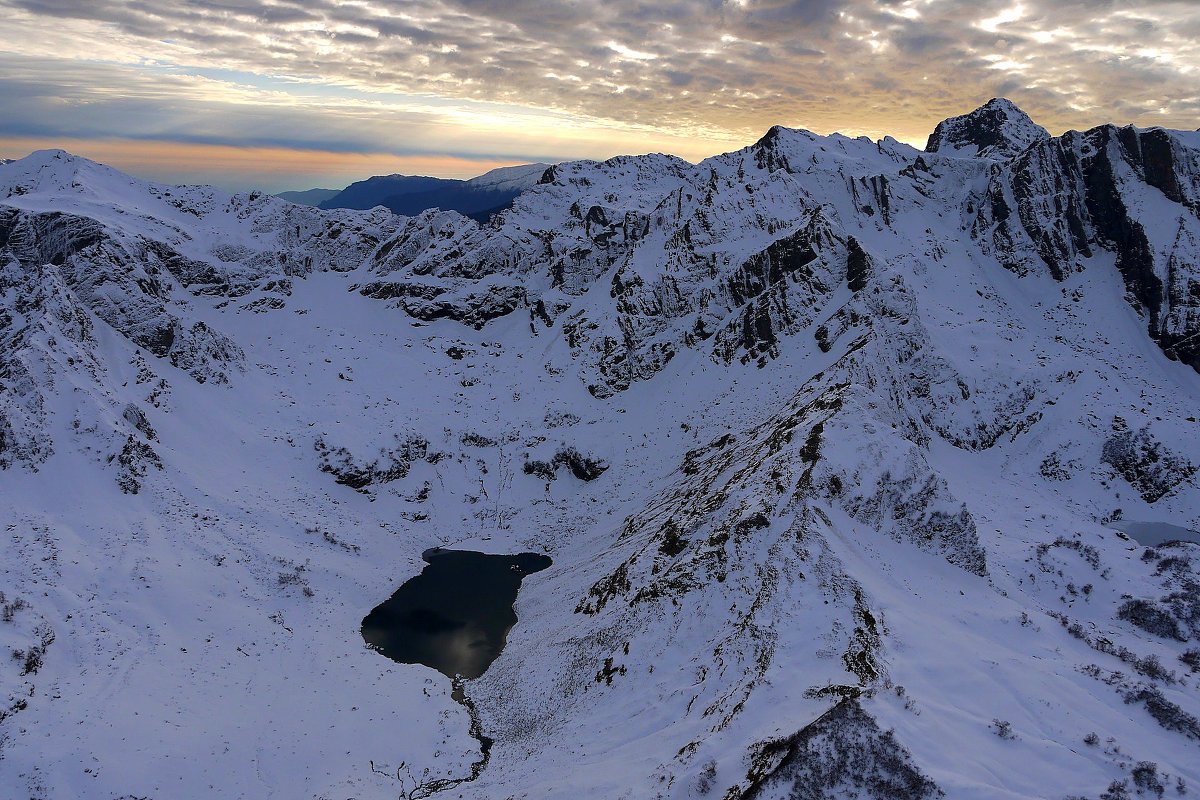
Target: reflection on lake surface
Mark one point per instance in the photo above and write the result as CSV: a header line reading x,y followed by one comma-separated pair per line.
x,y
456,614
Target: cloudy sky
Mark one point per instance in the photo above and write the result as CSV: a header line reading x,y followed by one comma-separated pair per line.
x,y
282,94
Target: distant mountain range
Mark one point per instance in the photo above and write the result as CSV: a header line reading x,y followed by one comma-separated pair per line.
x,y
409,195
309,197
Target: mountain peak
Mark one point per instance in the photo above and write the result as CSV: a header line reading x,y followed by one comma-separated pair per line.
x,y
998,129
55,171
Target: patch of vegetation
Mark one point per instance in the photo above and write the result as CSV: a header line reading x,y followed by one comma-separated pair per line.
x,y
1003,729
1151,618
1168,715
585,468
1052,469
31,659
1146,779
472,439
1149,665
8,611
1089,554
540,469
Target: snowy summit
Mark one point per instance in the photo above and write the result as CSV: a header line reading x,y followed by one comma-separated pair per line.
x,y
997,130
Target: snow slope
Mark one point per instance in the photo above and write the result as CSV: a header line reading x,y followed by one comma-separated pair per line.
x,y
515,179
869,415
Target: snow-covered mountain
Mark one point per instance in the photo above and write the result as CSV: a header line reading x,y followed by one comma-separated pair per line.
x,y
860,424
510,179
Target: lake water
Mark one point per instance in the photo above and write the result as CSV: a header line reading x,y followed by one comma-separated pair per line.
x,y
1154,534
455,615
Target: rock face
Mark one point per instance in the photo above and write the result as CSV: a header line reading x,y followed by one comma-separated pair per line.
x,y
1122,193
822,435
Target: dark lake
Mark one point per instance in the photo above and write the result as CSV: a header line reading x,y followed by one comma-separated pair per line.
x,y
456,614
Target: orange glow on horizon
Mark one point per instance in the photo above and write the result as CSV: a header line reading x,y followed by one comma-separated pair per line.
x,y
185,163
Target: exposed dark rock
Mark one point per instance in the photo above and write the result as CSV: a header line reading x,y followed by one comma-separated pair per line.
x,y
908,503
778,289
474,308
858,265
40,319
430,302
585,468
264,304
205,354
126,282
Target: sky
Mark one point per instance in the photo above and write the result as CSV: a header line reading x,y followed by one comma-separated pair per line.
x,y
284,94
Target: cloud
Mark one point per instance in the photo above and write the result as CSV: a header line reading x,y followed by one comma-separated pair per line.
x,y
474,74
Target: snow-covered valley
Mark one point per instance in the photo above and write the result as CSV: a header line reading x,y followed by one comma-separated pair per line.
x,y
827,439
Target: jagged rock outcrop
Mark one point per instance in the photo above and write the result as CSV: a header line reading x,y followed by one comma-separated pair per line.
x,y
1151,467
133,463
585,468
1128,194
387,465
